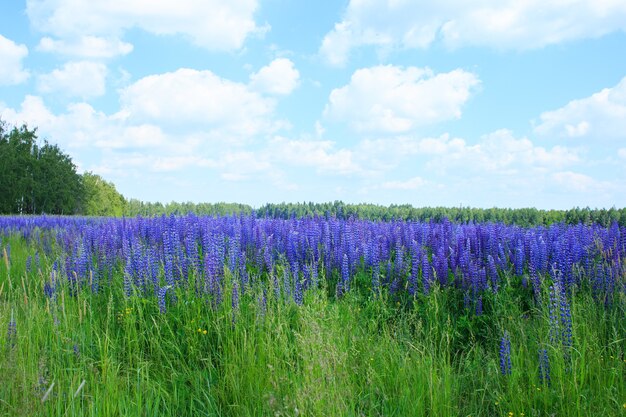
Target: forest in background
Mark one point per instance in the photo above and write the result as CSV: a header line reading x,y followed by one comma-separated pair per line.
x,y
39,178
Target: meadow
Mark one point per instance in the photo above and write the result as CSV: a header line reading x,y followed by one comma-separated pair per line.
x,y
245,316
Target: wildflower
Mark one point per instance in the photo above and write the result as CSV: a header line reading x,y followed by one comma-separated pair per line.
x,y
544,367
235,301
235,296
297,283
345,273
505,354
161,296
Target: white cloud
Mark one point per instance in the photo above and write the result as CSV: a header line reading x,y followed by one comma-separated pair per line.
x,y
410,184
75,79
600,116
212,24
86,47
248,166
498,153
144,136
580,182
493,23
124,147
394,99
280,77
317,154
622,153
195,98
11,56
81,127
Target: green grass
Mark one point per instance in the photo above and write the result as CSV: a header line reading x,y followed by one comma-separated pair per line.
x,y
361,355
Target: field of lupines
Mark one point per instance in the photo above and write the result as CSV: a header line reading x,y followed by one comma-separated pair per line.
x,y
241,316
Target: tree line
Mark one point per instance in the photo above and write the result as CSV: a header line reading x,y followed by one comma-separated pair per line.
x,y
521,216
37,178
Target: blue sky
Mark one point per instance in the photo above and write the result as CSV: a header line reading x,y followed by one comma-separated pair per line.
x,y
494,103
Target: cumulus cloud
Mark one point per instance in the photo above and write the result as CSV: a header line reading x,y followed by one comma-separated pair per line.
x,y
410,184
212,24
11,56
500,24
193,98
600,116
578,182
80,126
86,47
280,77
498,153
395,99
318,154
75,79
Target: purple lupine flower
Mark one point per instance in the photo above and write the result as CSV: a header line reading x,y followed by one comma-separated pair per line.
x,y
467,301
442,267
161,295
493,273
128,280
376,279
479,305
555,297
314,275
235,299
566,324
345,274
168,260
49,287
399,258
544,367
426,273
518,260
82,261
415,265
560,320
297,284
505,354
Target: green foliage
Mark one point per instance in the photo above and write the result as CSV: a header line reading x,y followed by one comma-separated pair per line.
x,y
136,207
101,197
341,210
36,179
521,217
362,354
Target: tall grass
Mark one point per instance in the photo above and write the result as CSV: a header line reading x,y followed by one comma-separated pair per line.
x,y
363,354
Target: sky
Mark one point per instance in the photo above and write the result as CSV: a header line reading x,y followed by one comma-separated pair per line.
x,y
490,103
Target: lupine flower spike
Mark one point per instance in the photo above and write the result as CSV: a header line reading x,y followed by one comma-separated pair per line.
x,y
505,354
